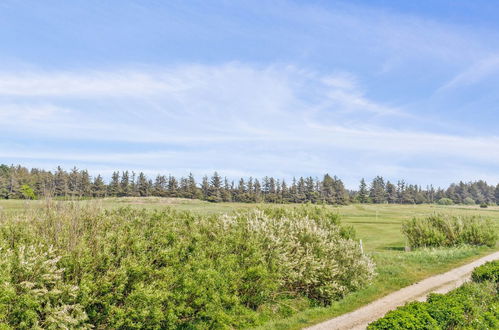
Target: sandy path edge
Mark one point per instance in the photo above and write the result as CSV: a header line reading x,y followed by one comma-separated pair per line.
x,y
360,318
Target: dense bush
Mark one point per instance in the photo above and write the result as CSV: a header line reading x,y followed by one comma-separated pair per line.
x,y
446,230
469,201
73,267
445,201
487,272
471,306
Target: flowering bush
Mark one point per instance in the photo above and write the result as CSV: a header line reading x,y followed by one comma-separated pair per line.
x,y
68,267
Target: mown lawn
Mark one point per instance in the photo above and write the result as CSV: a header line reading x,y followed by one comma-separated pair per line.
x,y
379,228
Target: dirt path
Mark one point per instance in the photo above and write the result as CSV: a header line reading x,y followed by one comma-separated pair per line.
x,y
360,318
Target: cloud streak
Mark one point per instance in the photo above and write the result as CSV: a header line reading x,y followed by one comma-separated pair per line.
x,y
237,118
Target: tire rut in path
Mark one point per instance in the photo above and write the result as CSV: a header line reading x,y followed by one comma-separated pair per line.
x,y
443,283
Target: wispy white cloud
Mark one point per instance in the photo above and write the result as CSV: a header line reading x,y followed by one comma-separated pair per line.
x,y
478,71
236,118
27,113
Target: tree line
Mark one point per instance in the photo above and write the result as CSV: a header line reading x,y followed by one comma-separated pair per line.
x,y
18,182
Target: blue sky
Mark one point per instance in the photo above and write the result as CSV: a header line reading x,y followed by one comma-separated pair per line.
x,y
285,88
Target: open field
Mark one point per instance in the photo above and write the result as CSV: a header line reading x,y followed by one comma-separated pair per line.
x,y
379,227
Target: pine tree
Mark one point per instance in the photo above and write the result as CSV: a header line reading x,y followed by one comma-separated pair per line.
x,y
125,184
192,187
363,196
378,192
114,185
172,186
74,182
143,185
391,193
61,182
159,188
85,184
215,188
98,187
327,191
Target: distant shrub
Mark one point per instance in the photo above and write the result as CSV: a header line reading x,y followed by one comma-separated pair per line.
x,y
484,205
469,201
471,306
446,230
445,201
71,267
487,272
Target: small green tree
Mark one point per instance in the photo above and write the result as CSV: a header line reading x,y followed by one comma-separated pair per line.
x,y
363,196
27,192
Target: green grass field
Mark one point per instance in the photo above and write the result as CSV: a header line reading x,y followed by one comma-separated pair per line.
x,y
378,226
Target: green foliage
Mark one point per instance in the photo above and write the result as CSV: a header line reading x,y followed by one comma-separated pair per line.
x,y
445,201
446,230
413,316
487,272
469,201
71,266
33,294
27,192
471,306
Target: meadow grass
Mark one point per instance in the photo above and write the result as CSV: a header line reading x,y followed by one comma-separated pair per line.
x,y
379,228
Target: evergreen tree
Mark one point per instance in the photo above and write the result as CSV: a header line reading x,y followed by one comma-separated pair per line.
x,y
160,187
205,187
74,182
143,185
363,196
125,184
172,186
214,194
192,187
114,185
391,193
378,192
85,184
61,182
98,187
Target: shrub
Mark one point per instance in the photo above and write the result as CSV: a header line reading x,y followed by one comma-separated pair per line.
x,y
471,306
413,316
310,255
33,292
445,201
469,201
445,230
484,205
131,269
487,272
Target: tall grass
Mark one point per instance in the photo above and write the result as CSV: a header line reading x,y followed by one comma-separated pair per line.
x,y
71,266
447,230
